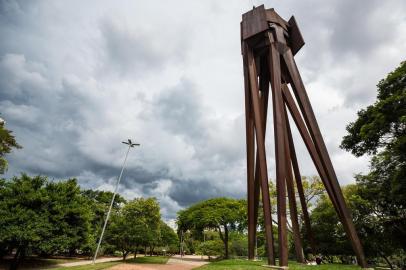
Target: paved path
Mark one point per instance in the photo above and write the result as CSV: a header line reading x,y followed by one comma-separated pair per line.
x,y
174,263
85,262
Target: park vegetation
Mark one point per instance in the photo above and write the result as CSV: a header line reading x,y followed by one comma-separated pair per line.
x,y
47,218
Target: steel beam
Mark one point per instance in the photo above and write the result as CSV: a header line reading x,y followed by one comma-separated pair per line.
x,y
252,73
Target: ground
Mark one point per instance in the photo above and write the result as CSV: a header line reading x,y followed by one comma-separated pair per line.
x,y
177,263
241,264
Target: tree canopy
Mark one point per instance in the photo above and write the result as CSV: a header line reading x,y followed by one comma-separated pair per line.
x,y
381,126
221,214
136,224
42,216
7,143
380,130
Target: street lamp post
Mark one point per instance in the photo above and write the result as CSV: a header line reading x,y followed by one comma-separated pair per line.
x,y
130,145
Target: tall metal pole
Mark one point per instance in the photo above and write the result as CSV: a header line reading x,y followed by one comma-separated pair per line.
x,y
130,144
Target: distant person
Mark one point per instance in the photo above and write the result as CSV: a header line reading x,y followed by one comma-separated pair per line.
x,y
318,260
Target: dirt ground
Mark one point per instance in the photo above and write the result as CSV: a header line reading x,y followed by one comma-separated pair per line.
x,y
174,263
152,267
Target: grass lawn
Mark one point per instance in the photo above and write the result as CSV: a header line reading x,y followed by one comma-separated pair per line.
x,y
250,265
149,259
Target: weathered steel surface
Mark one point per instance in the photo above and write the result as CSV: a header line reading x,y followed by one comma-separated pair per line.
x,y
280,157
296,40
266,203
253,22
250,162
299,185
291,195
268,45
310,118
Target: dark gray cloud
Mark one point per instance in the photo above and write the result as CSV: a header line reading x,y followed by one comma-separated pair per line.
x,y
180,111
189,192
77,79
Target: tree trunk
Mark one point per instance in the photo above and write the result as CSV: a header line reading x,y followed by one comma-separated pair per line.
x,y
17,257
145,250
135,252
226,240
125,253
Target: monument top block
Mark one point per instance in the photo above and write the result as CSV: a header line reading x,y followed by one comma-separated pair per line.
x,y
259,20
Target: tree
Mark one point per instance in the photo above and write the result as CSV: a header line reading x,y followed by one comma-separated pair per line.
x,y
221,214
332,240
121,235
328,230
169,238
381,126
70,215
23,221
43,217
313,189
211,248
136,224
380,130
99,202
377,240
7,143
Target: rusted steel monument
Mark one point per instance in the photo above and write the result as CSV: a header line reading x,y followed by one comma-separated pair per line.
x,y
269,44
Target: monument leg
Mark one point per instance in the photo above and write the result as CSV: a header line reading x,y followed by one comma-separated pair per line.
x,y
261,154
314,131
291,196
280,156
249,123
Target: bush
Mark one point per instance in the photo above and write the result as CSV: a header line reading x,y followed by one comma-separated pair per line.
x,y
211,248
239,247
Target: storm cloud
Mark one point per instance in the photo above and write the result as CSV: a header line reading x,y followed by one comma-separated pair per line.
x,y
77,79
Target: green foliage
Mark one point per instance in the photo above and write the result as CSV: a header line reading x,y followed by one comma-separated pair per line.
x,y
221,214
381,130
136,224
313,189
239,247
43,217
328,230
71,218
331,237
99,203
56,218
383,124
212,213
24,221
7,143
149,260
169,239
211,248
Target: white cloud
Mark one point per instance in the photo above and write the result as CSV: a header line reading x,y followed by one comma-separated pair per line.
x,y
77,79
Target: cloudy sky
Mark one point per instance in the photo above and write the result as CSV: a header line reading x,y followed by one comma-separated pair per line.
x,y
78,77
